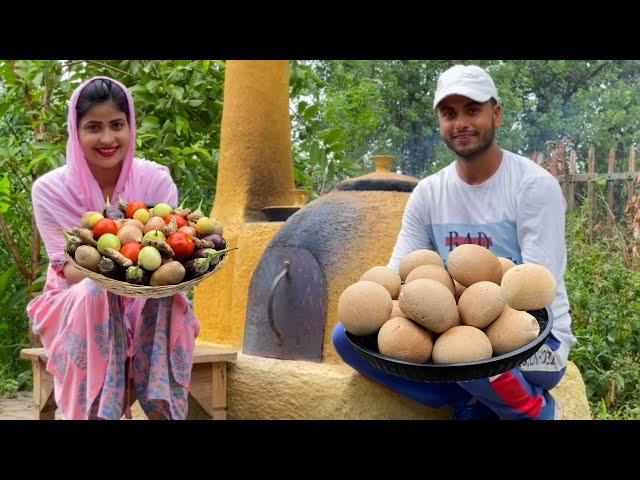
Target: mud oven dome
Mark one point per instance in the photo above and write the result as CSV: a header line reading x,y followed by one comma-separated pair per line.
x,y
317,253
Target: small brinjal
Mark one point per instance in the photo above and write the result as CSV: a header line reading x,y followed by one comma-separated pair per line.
x,y
122,205
135,275
219,243
73,242
181,210
211,254
108,267
203,252
214,256
214,261
196,214
196,267
112,212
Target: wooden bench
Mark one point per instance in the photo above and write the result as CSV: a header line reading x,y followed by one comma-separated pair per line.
x,y
208,381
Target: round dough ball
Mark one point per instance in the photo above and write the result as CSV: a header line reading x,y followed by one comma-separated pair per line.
x,y
432,272
364,307
402,339
512,330
461,344
385,276
470,263
417,258
430,304
481,304
528,287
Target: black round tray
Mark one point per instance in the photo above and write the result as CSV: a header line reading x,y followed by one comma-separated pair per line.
x,y
367,347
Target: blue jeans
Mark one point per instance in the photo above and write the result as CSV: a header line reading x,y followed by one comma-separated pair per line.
x,y
517,394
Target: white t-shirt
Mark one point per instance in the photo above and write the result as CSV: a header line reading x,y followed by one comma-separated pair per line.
x,y
518,213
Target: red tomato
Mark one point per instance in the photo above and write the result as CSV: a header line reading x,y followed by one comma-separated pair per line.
x,y
182,244
188,230
133,206
131,251
179,220
104,225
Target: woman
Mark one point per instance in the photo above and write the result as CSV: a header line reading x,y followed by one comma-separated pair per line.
x,y
101,345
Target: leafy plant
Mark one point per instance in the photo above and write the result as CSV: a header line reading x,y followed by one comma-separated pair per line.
x,y
604,295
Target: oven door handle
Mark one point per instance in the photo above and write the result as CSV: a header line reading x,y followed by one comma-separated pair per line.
x,y
272,293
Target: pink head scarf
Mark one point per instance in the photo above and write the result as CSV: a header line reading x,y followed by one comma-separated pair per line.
x,y
62,196
77,168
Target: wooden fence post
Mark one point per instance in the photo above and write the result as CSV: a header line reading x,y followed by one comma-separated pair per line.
x,y
553,163
537,158
563,170
631,184
571,191
610,198
591,164
630,212
563,165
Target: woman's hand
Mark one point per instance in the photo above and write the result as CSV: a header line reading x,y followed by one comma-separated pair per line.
x,y
72,274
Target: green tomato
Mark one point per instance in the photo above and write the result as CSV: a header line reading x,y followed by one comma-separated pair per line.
x,y
142,215
162,210
89,219
149,258
108,240
205,226
93,219
154,235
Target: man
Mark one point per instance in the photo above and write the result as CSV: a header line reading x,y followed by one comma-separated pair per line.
x,y
506,203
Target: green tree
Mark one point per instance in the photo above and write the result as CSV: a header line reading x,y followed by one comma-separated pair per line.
x,y
589,103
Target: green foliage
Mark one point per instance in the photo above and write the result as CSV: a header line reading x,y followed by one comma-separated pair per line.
x,y
587,102
384,107
604,295
319,146
10,384
624,412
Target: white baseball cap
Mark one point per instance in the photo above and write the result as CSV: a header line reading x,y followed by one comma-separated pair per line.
x,y
466,80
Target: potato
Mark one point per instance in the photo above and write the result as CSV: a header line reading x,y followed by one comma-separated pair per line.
x,y
88,257
170,273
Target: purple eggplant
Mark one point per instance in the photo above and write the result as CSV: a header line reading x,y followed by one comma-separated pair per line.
x,y
108,268
112,212
203,252
216,256
210,253
73,242
219,243
122,205
196,267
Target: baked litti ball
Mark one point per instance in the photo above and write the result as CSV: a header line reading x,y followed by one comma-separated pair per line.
x,y
364,307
